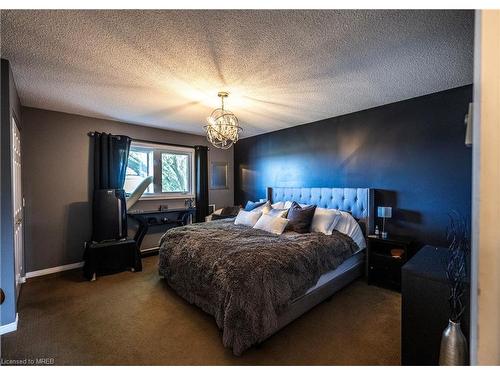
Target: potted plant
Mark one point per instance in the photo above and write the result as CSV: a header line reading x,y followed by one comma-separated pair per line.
x,y
453,349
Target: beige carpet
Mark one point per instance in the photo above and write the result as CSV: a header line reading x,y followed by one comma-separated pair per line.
x,y
135,318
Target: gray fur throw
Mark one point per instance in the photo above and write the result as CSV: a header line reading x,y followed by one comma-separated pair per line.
x,y
246,277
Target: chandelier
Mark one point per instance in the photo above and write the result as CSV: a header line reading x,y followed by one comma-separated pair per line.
x,y
222,128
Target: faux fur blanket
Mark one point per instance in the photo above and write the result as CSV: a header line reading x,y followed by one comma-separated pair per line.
x,y
246,277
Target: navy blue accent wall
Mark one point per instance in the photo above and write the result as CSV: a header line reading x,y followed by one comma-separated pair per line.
x,y
412,152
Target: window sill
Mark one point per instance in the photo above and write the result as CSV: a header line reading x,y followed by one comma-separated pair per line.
x,y
165,197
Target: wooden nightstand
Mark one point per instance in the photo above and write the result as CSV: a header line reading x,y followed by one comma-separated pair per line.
x,y
384,258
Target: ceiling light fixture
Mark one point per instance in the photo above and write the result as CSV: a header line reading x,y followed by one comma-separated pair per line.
x,y
222,129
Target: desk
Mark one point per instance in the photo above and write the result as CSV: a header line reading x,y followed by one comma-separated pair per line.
x,y
174,217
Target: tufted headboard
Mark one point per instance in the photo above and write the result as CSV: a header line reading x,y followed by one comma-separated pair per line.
x,y
358,201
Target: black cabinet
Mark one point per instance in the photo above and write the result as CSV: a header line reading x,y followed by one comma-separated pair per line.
x,y
385,257
425,309
110,257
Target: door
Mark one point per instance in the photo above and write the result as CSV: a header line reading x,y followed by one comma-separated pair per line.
x,y
485,267
18,205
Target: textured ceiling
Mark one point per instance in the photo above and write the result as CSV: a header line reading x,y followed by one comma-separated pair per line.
x,y
282,67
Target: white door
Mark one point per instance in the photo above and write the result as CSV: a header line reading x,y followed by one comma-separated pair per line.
x,y
18,202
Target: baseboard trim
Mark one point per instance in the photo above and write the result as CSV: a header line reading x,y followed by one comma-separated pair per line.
x,y
149,252
48,271
9,327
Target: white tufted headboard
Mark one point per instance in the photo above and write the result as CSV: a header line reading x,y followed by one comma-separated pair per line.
x,y
358,201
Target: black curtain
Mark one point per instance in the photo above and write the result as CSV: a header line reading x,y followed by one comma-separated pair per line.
x,y
110,160
201,171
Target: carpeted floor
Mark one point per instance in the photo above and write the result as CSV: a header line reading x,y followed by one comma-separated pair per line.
x,y
137,319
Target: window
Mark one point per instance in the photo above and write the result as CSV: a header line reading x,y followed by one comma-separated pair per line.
x,y
172,169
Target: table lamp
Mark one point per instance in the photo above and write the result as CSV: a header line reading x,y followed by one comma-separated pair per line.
x,y
385,213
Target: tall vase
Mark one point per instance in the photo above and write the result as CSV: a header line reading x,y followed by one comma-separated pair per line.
x,y
453,350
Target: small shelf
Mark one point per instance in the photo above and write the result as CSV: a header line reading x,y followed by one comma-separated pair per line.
x,y
386,259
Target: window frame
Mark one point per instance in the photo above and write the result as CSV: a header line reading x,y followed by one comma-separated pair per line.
x,y
159,149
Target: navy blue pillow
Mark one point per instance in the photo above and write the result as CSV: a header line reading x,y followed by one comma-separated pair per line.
x,y
251,205
300,219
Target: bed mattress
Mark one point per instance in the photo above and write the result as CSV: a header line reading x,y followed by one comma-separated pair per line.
x,y
328,284
247,277
349,263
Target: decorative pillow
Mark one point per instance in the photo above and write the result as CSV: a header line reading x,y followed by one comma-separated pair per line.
x,y
324,220
219,216
265,208
287,204
252,205
247,218
299,219
231,210
277,212
348,225
211,217
271,224
279,205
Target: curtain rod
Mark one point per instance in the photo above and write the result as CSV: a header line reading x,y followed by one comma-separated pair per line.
x,y
162,143
91,134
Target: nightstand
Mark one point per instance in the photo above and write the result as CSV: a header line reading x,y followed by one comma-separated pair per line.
x,y
384,259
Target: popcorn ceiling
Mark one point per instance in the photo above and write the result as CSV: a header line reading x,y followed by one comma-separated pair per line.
x,y
282,68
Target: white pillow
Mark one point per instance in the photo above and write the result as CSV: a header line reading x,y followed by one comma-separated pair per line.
x,y
248,218
324,220
277,212
263,208
348,225
271,224
278,205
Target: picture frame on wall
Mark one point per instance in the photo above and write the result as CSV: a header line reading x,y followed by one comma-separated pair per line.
x,y
218,174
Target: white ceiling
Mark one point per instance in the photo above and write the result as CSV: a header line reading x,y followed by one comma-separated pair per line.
x,y
282,67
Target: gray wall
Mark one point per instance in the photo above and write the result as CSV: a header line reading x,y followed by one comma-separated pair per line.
x,y
10,106
57,180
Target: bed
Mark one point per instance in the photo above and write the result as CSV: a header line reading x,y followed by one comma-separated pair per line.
x,y
255,283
